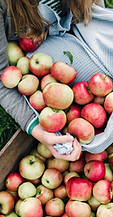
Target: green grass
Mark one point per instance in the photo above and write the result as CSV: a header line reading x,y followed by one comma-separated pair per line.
x,y
8,127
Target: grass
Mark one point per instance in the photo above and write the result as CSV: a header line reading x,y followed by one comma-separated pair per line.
x,y
8,127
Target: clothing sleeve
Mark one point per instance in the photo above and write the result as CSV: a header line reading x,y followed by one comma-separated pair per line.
x,y
10,99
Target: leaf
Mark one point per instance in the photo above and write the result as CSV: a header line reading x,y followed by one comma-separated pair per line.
x,y
68,53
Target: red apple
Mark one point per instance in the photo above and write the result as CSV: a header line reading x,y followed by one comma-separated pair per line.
x,y
52,120
102,156
6,202
100,84
54,207
108,103
43,150
14,53
105,210
95,114
46,80
79,189
28,45
40,64
94,170
11,76
58,95
44,194
52,178
60,164
99,100
82,94
82,129
36,100
28,85
77,208
63,72
23,65
64,215
69,175
60,192
77,166
13,180
73,112
102,191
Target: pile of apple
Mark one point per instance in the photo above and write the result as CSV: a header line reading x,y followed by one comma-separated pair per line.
x,y
46,186
82,110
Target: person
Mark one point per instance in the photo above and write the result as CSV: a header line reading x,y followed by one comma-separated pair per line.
x,y
68,25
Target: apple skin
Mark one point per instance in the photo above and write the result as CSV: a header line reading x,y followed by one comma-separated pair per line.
x,y
99,156
23,65
100,84
14,53
102,191
52,178
58,95
44,194
12,214
30,167
82,129
82,95
14,194
110,159
77,166
60,164
52,120
95,114
28,85
26,189
63,72
77,208
13,181
74,112
64,215
69,175
60,192
108,172
94,170
6,202
99,100
27,44
105,210
30,207
94,204
46,80
109,149
36,100
35,153
54,207
43,150
11,76
40,64
108,103
76,191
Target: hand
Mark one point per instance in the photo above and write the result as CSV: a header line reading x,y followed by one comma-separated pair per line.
x,y
49,139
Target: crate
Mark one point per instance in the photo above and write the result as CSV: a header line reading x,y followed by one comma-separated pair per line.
x,y
17,147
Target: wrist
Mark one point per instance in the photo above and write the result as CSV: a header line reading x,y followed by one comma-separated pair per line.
x,y
32,124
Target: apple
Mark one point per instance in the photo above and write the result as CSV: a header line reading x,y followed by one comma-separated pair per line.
x,y
43,150
108,103
63,72
100,84
46,80
35,153
74,112
99,100
94,170
58,95
6,202
40,64
109,149
54,207
44,194
30,167
79,189
64,215
102,156
92,214
36,100
108,172
11,76
13,180
26,189
94,204
95,114
69,175
17,206
28,85
52,178
34,182
82,94
12,214
60,164
23,65
28,45
52,120
60,192
102,191
30,207
105,210
14,53
82,129
77,208
14,194
110,159
77,166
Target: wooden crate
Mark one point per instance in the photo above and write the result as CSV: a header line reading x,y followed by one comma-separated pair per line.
x,y
18,146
